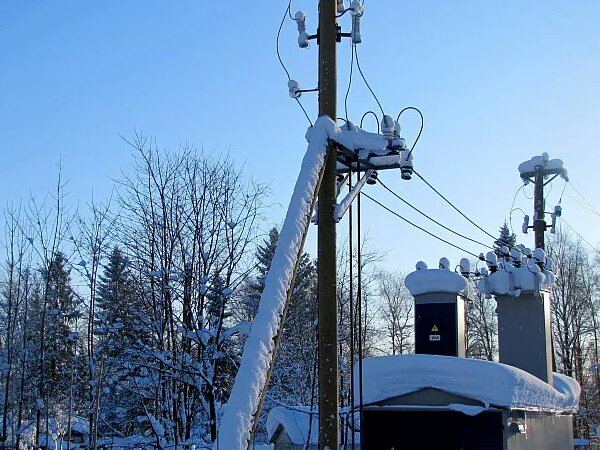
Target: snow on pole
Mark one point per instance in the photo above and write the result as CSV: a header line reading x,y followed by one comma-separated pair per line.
x,y
238,416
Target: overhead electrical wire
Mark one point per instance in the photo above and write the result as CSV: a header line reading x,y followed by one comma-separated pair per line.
x,y
592,207
413,108
584,206
365,115
420,228
432,219
365,79
512,206
285,15
580,236
452,205
349,81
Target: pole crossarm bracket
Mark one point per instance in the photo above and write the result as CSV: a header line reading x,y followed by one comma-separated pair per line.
x,y
342,207
394,156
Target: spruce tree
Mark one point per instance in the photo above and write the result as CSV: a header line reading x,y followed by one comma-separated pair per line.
x,y
117,315
248,305
61,311
506,238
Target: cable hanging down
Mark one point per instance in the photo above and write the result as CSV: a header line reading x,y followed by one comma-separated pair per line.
x,y
365,80
287,73
413,108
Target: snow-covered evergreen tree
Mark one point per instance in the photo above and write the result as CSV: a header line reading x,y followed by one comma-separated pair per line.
x,y
506,238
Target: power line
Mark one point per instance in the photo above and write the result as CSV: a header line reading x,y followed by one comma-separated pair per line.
x,y
285,15
432,219
349,80
420,228
450,203
365,115
365,79
580,236
595,210
412,108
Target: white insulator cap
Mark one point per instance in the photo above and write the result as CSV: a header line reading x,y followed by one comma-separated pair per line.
x,y
356,8
484,272
515,254
550,264
299,16
545,158
294,87
421,265
491,259
387,125
465,266
444,263
539,255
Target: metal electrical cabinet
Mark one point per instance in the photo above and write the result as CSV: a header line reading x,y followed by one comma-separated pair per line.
x,y
439,324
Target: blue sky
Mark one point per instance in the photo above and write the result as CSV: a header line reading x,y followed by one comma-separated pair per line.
x,y
497,81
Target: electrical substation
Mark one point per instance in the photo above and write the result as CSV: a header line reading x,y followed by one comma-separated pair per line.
x,y
435,398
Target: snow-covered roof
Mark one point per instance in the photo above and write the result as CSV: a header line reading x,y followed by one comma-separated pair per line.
x,y
435,280
296,424
488,382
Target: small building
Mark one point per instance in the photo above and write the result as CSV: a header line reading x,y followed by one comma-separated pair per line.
x,y
290,429
431,402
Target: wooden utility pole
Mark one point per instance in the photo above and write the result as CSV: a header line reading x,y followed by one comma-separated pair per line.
x,y
328,316
539,222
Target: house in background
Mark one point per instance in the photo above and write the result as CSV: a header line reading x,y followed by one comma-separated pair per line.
x,y
292,429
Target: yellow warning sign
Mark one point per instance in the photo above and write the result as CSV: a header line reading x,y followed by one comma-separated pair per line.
x,y
435,328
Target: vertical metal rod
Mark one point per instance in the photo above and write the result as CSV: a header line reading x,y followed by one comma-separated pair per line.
x,y
328,310
360,312
539,222
351,416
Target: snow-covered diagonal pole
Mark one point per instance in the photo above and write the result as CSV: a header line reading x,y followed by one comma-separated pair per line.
x,y
251,381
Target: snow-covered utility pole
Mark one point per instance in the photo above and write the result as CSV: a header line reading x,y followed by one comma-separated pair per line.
x,y
536,171
328,317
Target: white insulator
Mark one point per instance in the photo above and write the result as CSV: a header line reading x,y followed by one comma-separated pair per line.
x,y
465,267
545,158
294,88
356,8
350,126
515,254
355,34
406,165
505,252
444,263
539,255
397,129
525,227
564,175
421,265
340,6
387,127
303,36
491,260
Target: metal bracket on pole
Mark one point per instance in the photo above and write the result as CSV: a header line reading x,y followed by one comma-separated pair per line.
x,y
342,207
340,185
